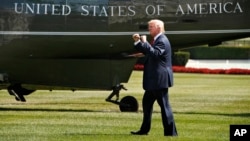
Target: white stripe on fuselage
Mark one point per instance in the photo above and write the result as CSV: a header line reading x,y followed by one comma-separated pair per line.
x,y
120,33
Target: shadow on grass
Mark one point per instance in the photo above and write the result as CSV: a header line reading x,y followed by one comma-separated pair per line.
x,y
86,110
98,134
220,114
46,110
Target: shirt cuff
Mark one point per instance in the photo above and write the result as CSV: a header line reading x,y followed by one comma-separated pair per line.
x,y
135,43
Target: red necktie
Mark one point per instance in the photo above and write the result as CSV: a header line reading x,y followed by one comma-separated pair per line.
x,y
152,42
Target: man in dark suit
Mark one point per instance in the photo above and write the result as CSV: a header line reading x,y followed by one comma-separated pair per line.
x,y
157,77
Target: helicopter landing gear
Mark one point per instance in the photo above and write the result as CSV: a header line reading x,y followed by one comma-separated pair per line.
x,y
127,103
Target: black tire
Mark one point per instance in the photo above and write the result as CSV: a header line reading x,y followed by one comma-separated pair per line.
x,y
128,104
18,91
17,88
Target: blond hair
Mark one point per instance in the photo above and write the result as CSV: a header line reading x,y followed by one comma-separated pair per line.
x,y
158,24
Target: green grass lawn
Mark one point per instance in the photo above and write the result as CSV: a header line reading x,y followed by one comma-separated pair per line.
x,y
204,106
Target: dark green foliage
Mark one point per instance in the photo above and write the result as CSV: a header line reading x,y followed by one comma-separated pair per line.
x,y
180,58
219,52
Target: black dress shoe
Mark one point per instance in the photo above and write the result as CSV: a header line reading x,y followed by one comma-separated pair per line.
x,y
138,133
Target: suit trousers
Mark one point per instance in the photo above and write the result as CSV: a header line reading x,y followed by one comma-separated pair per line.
x,y
166,112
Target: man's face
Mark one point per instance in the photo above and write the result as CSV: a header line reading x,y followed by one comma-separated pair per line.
x,y
153,30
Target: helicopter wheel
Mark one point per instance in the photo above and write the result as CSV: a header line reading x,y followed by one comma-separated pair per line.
x,y
18,91
128,104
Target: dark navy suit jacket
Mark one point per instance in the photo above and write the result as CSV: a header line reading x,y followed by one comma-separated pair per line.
x,y
158,72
